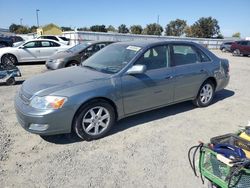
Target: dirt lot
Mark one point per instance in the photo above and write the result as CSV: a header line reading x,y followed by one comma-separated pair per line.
x,y
147,150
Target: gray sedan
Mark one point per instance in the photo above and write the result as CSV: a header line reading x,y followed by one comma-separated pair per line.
x,y
120,80
75,55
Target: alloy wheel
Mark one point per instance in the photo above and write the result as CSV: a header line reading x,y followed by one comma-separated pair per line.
x,y
206,93
96,120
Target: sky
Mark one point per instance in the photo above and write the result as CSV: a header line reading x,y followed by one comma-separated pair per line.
x,y
232,15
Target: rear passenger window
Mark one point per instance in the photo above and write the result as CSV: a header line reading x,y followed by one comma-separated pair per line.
x,y
53,44
155,58
202,56
184,55
45,44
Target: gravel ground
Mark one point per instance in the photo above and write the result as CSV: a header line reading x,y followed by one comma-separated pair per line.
x,y
146,150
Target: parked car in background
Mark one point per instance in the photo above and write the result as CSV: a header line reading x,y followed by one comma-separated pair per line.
x,y
31,51
241,48
5,42
226,46
120,80
75,55
60,39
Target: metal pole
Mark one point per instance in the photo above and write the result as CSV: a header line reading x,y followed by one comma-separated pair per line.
x,y
21,21
37,19
158,19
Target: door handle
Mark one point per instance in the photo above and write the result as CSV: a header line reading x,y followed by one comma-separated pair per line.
x,y
169,77
202,70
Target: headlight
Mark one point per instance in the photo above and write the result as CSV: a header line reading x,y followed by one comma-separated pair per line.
x,y
48,102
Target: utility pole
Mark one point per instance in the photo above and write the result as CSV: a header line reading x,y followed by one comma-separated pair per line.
x,y
21,21
158,19
37,19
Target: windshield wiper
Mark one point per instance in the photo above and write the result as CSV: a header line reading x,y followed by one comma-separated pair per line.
x,y
112,69
89,67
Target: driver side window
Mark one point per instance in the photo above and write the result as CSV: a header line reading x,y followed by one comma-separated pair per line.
x,y
155,58
33,44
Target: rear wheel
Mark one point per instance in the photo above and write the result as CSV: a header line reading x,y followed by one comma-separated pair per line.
x,y
205,95
94,120
10,81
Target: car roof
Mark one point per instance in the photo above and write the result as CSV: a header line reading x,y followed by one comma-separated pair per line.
x,y
42,40
101,41
148,43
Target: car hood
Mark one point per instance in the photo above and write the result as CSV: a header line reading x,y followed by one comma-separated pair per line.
x,y
62,54
52,81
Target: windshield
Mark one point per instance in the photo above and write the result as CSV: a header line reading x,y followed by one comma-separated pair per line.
x,y
79,47
112,58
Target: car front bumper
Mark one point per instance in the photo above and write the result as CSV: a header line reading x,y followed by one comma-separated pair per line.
x,y
54,121
53,65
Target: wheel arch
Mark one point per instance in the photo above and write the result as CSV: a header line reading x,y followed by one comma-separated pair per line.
x,y
95,99
213,80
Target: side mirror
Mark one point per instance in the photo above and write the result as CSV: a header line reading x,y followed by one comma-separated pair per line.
x,y
137,69
21,47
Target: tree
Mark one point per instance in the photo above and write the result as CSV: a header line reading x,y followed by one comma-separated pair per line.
x,y
67,29
123,29
153,29
136,29
176,27
83,29
19,29
13,27
98,28
111,28
204,28
33,29
236,35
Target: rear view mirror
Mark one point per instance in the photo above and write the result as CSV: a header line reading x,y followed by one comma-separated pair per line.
x,y
137,69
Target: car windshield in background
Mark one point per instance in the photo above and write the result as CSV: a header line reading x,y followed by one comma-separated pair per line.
x,y
112,58
79,47
64,38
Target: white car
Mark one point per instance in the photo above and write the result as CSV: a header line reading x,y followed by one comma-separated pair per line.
x,y
31,51
60,39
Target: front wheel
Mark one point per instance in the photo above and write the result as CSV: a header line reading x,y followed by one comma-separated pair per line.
x,y
236,52
211,185
10,81
205,95
8,60
94,120
223,50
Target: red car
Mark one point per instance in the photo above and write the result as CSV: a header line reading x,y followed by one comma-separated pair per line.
x,y
241,48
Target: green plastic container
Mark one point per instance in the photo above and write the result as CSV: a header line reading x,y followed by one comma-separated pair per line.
x,y
218,172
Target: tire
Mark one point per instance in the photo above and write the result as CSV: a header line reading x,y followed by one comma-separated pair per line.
x,y
223,50
205,95
211,185
236,52
89,125
10,81
72,64
8,60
